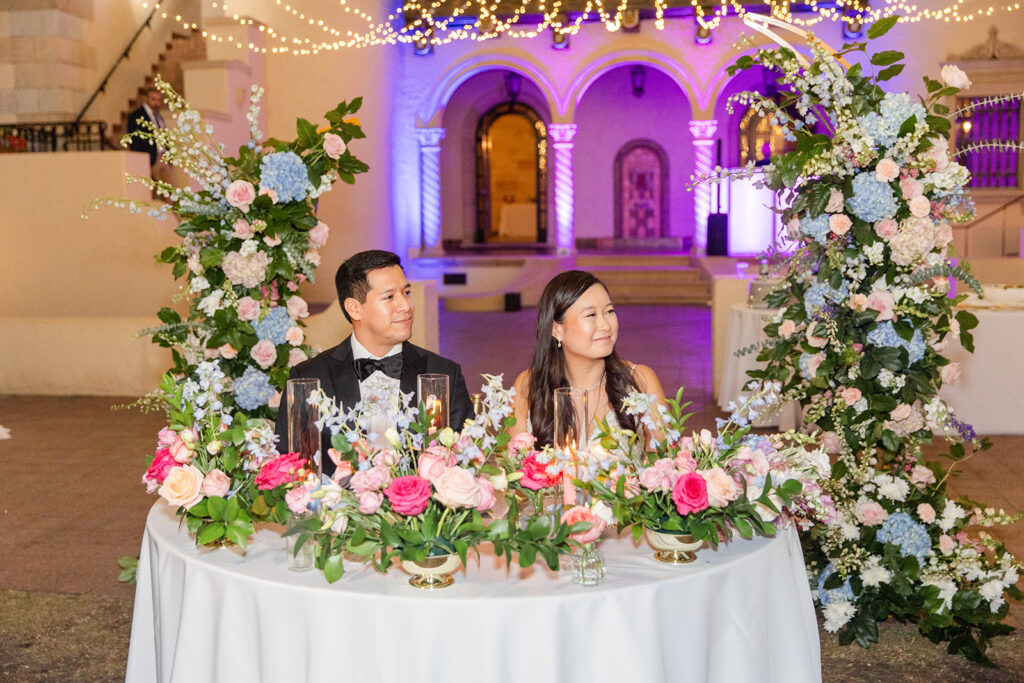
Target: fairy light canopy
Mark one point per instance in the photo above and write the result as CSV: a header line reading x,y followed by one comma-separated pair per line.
x,y
437,22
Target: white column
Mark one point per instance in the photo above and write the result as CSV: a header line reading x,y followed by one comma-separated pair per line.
x,y
703,133
562,135
430,186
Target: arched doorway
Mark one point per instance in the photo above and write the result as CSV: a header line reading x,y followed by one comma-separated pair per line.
x,y
641,190
511,175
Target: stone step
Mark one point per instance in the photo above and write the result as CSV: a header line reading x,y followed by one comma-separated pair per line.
x,y
590,261
647,274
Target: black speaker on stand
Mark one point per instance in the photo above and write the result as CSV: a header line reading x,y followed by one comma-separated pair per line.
x,y
718,223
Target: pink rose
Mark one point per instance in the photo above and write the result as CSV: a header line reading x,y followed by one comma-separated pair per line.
x,y
242,229
369,501
787,328
227,352
334,146
294,335
216,483
181,450
372,479
264,353
166,436
882,301
943,234
851,395
240,194
926,512
296,356
886,171
297,308
721,488
183,486
921,476
431,466
297,499
521,441
816,342
247,308
457,488
536,475
684,462
920,206
661,476
911,187
950,373
830,442
486,498
408,495
871,513
886,228
946,544
579,513
281,470
690,493
900,412
835,201
839,224
318,234
162,464
858,302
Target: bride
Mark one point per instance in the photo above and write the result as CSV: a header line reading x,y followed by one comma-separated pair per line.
x,y
576,334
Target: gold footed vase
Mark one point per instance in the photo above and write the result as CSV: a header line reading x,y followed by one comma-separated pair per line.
x,y
673,547
433,572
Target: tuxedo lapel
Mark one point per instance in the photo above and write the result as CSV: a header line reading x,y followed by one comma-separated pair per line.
x,y
414,363
342,375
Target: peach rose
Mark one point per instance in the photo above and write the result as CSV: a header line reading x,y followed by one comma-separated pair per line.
x,y
247,308
294,335
901,412
457,488
851,395
240,194
926,512
920,206
722,489
297,307
835,201
814,362
318,234
787,328
839,224
313,257
334,146
270,193
216,483
271,241
815,341
227,352
871,513
886,171
242,229
264,353
886,228
275,400
183,486
858,302
579,513
950,373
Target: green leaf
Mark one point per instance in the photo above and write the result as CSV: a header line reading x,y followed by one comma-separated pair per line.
x,y
882,26
237,533
889,72
306,132
527,556
210,533
210,256
216,505
334,567
886,58
200,509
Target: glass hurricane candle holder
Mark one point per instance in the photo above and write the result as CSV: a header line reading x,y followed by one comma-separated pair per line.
x,y
303,434
572,417
433,392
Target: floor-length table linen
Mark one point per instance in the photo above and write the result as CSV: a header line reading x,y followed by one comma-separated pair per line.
x,y
741,613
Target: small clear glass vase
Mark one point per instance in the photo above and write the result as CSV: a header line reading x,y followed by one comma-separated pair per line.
x,y
588,565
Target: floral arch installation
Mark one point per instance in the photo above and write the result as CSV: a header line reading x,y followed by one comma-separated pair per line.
x,y
641,190
485,201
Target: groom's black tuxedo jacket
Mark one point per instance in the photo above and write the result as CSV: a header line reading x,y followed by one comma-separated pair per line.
x,y
334,369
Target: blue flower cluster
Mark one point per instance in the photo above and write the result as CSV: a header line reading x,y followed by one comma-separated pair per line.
x,y
872,199
253,389
909,536
285,174
844,592
884,125
274,325
816,228
885,335
819,293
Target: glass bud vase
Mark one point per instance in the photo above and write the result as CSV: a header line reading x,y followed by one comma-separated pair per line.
x,y
588,565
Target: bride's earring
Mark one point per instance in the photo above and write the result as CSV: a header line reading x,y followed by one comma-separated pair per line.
x,y
558,343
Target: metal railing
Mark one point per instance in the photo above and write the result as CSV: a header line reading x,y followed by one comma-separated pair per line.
x,y
60,136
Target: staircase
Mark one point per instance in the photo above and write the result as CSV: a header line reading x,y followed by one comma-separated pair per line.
x,y
649,278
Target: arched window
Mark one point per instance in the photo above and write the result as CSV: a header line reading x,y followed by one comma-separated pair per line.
x,y
641,190
511,175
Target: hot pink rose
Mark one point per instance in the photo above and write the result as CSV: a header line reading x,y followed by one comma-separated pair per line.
x,y
536,475
926,512
318,234
457,488
579,513
871,513
690,493
851,395
839,224
297,308
296,356
882,301
162,463
920,206
408,495
281,470
294,335
787,328
486,498
946,544
216,483
911,187
240,194
334,146
431,466
247,308
950,373
886,228
242,229
921,476
661,476
264,353
721,488
886,171
183,486
369,501
297,499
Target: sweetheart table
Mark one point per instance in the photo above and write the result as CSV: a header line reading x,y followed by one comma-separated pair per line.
x,y
741,613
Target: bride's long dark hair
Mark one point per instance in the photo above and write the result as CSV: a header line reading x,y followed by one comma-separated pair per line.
x,y
547,372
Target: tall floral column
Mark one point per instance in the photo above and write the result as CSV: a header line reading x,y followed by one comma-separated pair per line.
x,y
430,186
703,133
562,135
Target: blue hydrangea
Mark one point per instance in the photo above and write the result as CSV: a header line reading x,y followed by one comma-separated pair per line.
x,y
253,389
909,536
884,125
285,174
274,325
872,199
885,335
820,292
816,228
844,592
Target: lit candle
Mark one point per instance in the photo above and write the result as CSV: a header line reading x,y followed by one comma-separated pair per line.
x,y
435,414
568,486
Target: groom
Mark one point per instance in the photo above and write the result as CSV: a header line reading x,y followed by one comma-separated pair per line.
x,y
375,297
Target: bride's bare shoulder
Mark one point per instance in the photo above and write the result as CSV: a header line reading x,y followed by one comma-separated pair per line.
x,y
522,384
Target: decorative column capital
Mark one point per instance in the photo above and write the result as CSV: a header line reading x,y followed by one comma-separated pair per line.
x,y
703,130
430,138
562,133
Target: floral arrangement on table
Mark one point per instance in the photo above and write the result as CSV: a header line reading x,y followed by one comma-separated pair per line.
x,y
249,241
413,493
865,316
703,485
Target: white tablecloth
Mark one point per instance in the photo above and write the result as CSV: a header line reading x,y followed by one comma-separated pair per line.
x,y
746,327
988,395
519,220
741,613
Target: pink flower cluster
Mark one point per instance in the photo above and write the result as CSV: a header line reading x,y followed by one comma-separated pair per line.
x,y
247,271
283,469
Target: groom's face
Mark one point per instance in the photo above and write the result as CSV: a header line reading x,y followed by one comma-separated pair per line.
x,y
385,318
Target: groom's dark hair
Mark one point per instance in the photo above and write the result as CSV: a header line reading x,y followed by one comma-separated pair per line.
x,y
351,281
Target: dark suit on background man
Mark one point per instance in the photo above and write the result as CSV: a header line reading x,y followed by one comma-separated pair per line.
x,y
148,111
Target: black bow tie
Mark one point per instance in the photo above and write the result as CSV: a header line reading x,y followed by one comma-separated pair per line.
x,y
390,366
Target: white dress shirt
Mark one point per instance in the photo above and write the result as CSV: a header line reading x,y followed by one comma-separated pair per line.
x,y
379,424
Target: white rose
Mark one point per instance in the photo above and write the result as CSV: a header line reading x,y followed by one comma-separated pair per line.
x,y
954,77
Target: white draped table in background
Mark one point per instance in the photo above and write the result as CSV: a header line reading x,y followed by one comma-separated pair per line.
x,y
741,613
